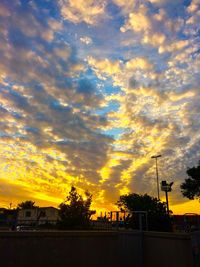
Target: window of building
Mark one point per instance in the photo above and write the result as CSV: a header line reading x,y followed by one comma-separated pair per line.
x,y
28,214
42,213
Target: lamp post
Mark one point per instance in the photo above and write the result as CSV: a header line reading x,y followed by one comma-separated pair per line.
x,y
156,158
166,188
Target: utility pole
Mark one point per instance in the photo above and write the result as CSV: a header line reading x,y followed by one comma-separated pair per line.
x,y
157,178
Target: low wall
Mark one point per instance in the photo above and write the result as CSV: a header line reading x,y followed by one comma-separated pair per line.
x,y
167,250
94,249
195,236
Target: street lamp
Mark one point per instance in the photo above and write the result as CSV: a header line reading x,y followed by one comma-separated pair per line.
x,y
166,188
156,158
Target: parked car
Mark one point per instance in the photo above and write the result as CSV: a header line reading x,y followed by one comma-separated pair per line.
x,y
25,228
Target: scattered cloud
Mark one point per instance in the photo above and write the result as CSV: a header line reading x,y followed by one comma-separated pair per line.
x,y
86,40
82,11
90,90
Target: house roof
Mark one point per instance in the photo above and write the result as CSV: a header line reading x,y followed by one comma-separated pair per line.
x,y
48,208
39,208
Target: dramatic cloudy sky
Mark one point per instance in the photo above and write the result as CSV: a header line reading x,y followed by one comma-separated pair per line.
x,y
90,90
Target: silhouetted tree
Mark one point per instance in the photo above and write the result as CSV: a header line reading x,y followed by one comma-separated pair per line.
x,y
191,187
75,212
28,204
158,219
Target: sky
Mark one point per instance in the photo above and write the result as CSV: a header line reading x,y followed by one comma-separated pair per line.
x,y
90,90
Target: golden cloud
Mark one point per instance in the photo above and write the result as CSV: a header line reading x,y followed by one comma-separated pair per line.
x,y
125,5
137,21
155,39
194,5
55,25
82,11
105,66
177,45
138,63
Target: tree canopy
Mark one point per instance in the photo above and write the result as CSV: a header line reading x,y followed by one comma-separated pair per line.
x,y
28,204
158,219
75,212
191,187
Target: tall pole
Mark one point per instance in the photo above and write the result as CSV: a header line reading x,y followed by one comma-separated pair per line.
x,y
157,178
167,202
156,158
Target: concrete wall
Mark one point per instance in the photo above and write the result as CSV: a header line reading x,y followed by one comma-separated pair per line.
x,y
94,249
167,250
195,236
